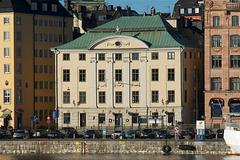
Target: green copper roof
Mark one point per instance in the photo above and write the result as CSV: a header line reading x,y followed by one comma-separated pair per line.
x,y
153,30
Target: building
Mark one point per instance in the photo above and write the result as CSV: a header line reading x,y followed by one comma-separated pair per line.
x,y
222,62
89,14
132,71
28,30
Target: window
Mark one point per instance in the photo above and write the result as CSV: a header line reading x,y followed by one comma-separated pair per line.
x,y
101,56
235,41
216,41
216,21
118,75
235,61
185,96
6,52
185,74
135,118
66,75
154,55
135,56
118,97
182,10
19,96
6,96
216,83
5,36
34,6
171,96
197,10
6,68
171,55
66,57
101,97
66,97
19,68
189,10
101,75
54,8
6,20
118,57
171,74
18,20
19,36
82,75
135,97
135,75
66,118
19,52
82,57
235,83
154,74
82,97
155,97
44,7
216,61
101,118
235,21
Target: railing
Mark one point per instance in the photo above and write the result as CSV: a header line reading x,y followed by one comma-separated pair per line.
x,y
233,6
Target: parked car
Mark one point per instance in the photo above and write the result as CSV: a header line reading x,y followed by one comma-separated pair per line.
x,y
209,134
20,133
55,134
39,133
130,134
220,133
117,134
70,132
163,134
90,133
148,133
5,134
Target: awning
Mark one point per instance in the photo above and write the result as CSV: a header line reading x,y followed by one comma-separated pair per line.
x,y
234,107
216,109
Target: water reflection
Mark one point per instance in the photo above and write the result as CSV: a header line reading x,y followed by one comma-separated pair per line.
x,y
116,157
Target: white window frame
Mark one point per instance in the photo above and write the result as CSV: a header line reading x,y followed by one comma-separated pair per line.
x,y
6,96
6,68
6,36
6,20
6,52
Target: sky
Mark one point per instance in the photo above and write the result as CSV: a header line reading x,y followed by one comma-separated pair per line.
x,y
144,5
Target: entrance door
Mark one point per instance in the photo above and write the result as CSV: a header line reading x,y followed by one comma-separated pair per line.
x,y
5,122
118,120
82,119
155,117
19,121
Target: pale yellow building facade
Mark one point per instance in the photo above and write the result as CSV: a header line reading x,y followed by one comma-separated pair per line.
x,y
28,30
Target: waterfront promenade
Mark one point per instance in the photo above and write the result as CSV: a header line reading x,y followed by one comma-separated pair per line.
x,y
82,146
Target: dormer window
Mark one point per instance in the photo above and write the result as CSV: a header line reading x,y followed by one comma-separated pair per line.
x,y
44,7
34,6
54,8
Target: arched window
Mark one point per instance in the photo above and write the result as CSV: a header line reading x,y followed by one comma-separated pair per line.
x,y
234,105
216,105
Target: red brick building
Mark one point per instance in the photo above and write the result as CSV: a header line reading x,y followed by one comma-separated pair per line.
x,y
222,62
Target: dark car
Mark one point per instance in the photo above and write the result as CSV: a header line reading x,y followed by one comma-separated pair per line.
x,y
92,134
163,134
55,134
39,133
5,134
209,134
130,134
220,133
20,134
148,133
70,132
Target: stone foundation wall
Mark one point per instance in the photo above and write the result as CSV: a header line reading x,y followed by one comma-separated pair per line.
x,y
110,146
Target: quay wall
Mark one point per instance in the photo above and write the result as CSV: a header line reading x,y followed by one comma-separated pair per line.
x,y
110,146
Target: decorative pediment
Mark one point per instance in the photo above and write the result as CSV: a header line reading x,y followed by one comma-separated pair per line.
x,y
118,42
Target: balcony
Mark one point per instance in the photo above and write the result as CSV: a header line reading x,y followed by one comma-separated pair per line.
x,y
233,6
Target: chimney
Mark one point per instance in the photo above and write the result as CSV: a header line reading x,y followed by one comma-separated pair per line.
x,y
153,11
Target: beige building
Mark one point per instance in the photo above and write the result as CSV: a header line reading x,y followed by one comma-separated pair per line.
x,y
129,72
222,62
27,30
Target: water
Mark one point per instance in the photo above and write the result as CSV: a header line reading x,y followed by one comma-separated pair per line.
x,y
116,157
